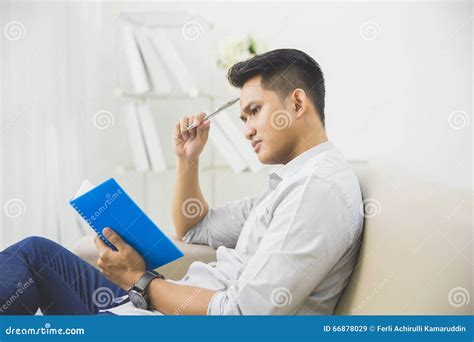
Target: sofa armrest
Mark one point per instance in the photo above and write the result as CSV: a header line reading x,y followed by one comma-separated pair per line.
x,y
85,248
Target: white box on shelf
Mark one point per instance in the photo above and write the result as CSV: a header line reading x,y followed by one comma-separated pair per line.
x,y
158,74
152,141
133,57
226,148
237,139
173,61
137,144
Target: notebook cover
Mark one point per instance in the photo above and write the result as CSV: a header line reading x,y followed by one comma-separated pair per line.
x,y
108,205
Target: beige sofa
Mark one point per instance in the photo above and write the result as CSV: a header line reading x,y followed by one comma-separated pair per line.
x,y
416,253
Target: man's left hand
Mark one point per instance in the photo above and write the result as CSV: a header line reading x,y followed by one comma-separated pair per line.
x,y
123,267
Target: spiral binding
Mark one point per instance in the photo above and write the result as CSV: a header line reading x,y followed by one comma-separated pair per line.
x,y
102,237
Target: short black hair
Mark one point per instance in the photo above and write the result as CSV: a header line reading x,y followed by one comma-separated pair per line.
x,y
282,71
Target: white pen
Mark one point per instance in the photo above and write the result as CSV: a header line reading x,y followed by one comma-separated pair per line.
x,y
220,109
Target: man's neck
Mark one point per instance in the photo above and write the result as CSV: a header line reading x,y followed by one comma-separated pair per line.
x,y
307,143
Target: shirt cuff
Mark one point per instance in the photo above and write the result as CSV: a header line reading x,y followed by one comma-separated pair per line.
x,y
216,304
188,236
198,234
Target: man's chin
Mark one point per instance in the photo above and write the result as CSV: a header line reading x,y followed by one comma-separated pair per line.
x,y
266,159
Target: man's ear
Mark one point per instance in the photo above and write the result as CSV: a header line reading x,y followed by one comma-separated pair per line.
x,y
299,101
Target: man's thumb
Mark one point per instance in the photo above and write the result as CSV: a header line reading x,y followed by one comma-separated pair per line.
x,y
113,237
203,128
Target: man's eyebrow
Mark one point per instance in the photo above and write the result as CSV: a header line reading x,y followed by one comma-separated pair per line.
x,y
247,109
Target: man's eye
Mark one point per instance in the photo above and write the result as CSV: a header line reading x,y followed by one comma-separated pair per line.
x,y
255,110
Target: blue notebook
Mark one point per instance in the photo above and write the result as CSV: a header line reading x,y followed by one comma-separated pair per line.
x,y
108,205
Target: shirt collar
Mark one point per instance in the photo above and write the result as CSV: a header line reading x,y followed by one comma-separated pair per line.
x,y
297,163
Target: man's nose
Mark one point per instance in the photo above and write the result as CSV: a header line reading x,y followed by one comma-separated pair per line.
x,y
249,131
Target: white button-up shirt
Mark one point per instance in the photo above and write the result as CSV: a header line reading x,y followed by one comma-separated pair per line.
x,y
289,250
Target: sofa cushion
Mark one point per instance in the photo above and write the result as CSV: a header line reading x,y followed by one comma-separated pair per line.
x,y
416,253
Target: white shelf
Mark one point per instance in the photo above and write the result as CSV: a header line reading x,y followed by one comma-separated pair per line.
x,y
130,170
164,18
150,95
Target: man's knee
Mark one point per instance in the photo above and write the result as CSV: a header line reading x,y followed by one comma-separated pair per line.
x,y
35,251
35,244
37,241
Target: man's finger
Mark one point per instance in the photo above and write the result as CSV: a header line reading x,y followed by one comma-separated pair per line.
x,y
192,131
176,131
113,237
201,116
204,126
100,245
183,127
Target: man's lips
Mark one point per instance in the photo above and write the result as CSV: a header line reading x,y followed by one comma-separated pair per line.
x,y
256,144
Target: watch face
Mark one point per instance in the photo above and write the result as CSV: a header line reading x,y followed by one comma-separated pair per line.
x,y
137,299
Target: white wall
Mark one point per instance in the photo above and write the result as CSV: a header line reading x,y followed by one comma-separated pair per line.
x,y
388,99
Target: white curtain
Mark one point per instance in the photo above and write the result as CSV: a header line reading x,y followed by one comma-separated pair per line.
x,y
47,80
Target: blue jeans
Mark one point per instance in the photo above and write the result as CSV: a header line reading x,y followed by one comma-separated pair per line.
x,y
37,273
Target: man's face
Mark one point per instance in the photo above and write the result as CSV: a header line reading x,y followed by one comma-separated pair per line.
x,y
268,122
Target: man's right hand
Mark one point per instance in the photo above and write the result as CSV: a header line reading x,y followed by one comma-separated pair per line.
x,y
188,145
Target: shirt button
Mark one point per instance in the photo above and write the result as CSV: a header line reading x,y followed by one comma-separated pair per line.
x,y
186,278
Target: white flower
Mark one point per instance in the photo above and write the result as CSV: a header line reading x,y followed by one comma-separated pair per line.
x,y
239,48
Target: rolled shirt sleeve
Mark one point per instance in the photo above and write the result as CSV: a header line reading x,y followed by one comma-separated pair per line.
x,y
304,240
222,226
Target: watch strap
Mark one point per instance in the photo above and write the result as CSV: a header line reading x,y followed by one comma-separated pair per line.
x,y
145,280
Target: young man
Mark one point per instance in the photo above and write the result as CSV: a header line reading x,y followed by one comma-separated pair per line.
x,y
289,250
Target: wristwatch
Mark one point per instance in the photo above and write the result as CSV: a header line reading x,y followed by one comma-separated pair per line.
x,y
137,293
